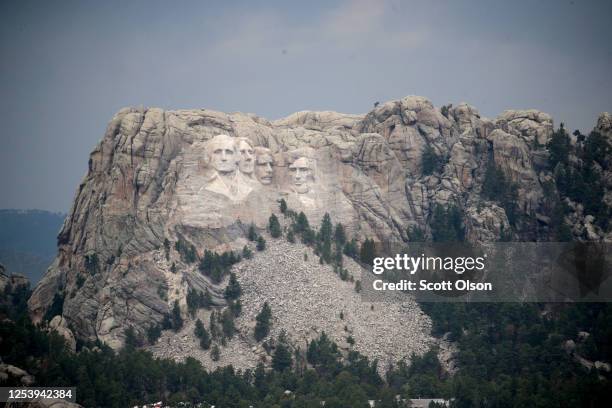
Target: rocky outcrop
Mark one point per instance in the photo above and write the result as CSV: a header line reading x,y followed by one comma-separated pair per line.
x,y
532,126
201,177
13,280
604,127
604,124
512,154
486,224
12,375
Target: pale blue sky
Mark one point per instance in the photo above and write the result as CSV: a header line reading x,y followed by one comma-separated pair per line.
x,y
67,66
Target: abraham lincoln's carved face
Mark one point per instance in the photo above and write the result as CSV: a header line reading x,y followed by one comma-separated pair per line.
x,y
302,175
222,154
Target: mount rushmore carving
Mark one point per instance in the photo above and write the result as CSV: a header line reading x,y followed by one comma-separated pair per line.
x,y
236,168
229,178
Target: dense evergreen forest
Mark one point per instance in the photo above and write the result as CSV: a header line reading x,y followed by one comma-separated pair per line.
x,y
511,355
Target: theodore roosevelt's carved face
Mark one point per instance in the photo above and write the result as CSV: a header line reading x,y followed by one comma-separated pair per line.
x,y
247,156
264,167
222,154
301,175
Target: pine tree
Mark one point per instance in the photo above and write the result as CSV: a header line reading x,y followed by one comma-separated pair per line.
x,y
445,109
186,250
205,340
439,226
233,289
87,391
192,255
131,340
261,243
338,256
312,353
153,333
227,323
259,380
281,360
206,300
597,149
558,147
455,219
283,206
213,326
447,225
274,226
340,235
494,182
301,223
262,327
247,253
217,266
177,320
325,231
166,323
252,235
357,286
324,246
323,352
367,252
235,307
215,353
92,263
199,328
308,236
416,234
351,249
167,249
497,187
430,161
193,301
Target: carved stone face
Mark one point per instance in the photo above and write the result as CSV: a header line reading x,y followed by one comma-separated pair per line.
x,y
301,175
222,153
264,168
247,157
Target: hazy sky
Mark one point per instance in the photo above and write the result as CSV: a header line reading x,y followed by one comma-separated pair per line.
x,y
66,67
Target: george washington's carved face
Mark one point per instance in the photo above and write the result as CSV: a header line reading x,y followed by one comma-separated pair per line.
x,y
222,154
302,175
247,157
264,167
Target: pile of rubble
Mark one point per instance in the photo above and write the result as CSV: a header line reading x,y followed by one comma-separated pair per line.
x,y
307,298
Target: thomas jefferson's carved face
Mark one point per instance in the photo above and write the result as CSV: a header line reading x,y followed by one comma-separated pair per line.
x,y
301,175
247,157
263,168
222,151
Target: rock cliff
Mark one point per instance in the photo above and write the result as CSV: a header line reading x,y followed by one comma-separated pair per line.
x,y
202,177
